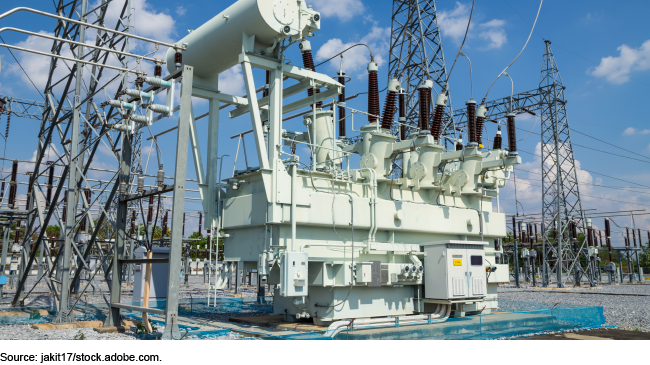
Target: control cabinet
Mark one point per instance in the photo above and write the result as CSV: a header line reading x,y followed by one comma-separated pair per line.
x,y
293,278
454,270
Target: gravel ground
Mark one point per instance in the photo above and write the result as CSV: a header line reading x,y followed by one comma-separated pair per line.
x,y
626,312
25,332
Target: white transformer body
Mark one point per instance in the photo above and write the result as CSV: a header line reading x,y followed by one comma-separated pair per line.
x,y
457,268
340,240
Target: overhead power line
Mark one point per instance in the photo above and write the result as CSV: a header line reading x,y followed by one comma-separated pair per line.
x,y
21,67
582,194
593,172
597,150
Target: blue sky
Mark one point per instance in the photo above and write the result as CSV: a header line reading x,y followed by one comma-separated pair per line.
x,y
602,51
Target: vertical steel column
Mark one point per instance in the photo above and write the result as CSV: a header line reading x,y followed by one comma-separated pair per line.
x,y
73,179
120,229
178,205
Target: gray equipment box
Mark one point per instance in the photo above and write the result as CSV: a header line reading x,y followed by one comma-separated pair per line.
x,y
159,275
454,270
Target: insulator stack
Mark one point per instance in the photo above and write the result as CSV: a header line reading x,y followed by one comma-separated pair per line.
x,y
373,93
178,60
8,123
389,110
497,140
308,63
50,184
471,121
82,224
341,80
150,211
157,70
574,230
389,106
132,224
2,192
200,222
402,115
207,246
424,95
436,126
512,134
164,224
65,206
88,194
13,186
479,130
29,193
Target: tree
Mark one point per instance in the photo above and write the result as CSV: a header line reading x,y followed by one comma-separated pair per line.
x,y
53,231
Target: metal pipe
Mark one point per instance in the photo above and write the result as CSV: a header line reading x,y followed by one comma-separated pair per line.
x,y
71,59
294,167
82,44
90,25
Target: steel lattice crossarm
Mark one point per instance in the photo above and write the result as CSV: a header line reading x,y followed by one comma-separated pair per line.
x,y
24,108
529,101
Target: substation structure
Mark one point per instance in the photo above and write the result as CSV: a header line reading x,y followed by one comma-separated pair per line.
x,y
409,232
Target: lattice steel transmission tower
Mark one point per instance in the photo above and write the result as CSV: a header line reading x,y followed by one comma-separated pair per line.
x,y
416,54
562,214
75,124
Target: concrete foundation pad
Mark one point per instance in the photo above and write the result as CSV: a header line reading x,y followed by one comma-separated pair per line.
x,y
97,325
278,322
19,312
112,329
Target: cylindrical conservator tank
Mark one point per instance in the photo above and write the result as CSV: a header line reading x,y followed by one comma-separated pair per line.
x,y
323,131
215,46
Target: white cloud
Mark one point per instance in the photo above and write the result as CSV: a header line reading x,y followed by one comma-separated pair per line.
x,y
343,9
632,131
231,81
6,90
181,10
493,32
616,70
357,58
454,23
